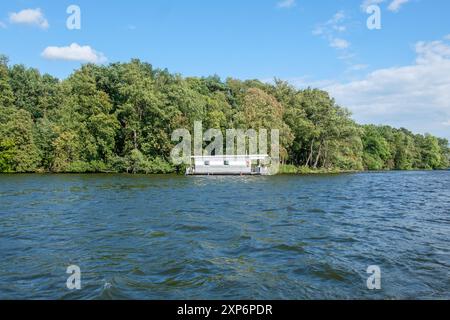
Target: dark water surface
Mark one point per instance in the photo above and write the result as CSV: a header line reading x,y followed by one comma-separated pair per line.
x,y
170,237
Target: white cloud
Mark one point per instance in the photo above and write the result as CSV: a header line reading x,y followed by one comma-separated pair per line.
x,y
340,28
447,37
332,31
74,52
395,5
368,3
338,17
339,43
446,123
358,67
29,16
2,25
286,4
415,96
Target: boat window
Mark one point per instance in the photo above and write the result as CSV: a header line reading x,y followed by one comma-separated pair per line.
x,y
227,163
207,163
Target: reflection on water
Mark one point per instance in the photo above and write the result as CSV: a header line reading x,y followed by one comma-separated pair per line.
x,y
170,237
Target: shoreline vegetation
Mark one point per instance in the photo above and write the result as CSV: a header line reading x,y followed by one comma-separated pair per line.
x,y
284,170
119,118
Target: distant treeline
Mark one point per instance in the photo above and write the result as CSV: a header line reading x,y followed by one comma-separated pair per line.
x,y
119,118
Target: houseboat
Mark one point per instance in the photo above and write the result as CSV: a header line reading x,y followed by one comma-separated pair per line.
x,y
230,165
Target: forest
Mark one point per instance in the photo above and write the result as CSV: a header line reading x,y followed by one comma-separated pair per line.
x,y
119,118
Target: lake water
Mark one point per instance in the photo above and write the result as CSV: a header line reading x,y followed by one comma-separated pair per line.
x,y
174,237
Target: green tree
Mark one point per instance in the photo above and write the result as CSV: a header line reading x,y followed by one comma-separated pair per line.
x,y
376,149
6,93
120,118
259,110
17,133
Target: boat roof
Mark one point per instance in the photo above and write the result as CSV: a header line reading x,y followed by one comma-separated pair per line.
x,y
247,157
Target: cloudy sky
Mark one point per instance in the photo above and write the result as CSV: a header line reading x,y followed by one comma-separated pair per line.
x,y
397,75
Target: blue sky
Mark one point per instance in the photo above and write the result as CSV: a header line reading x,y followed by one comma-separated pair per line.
x,y
396,75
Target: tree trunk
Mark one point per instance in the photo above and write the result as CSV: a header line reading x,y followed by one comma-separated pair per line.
x,y
318,156
310,154
325,157
135,139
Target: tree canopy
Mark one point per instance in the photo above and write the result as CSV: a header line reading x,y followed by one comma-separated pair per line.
x,y
119,118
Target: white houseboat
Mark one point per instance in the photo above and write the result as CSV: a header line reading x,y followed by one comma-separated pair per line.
x,y
230,165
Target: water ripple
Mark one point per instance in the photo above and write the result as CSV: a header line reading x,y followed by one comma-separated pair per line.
x,y
169,237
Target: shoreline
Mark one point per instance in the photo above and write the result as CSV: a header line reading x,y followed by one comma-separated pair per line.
x,y
300,172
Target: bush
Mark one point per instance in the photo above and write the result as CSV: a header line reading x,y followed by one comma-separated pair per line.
x,y
372,163
79,167
288,169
